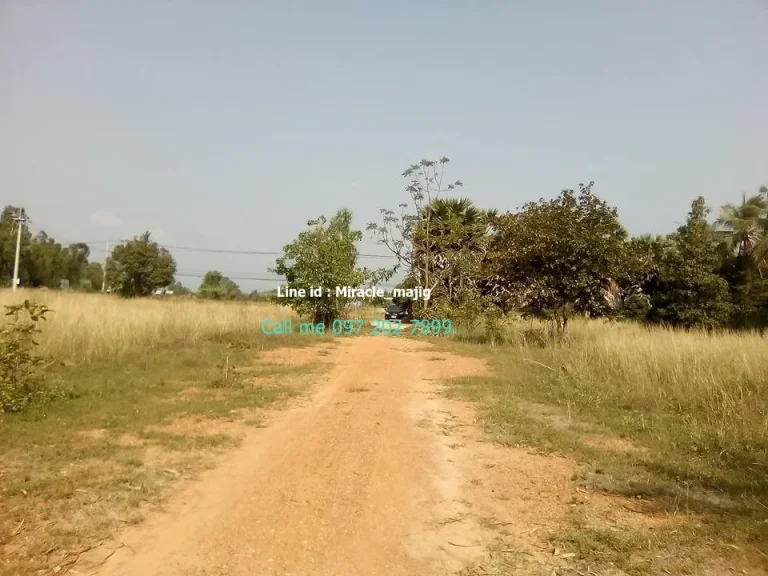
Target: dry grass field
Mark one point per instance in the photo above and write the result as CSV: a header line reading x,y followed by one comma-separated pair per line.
x,y
717,381
89,327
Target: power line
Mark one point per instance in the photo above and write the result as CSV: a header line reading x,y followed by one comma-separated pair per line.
x,y
253,278
103,245
197,275
230,273
98,243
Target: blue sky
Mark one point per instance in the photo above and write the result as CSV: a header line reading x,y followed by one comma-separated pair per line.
x,y
229,124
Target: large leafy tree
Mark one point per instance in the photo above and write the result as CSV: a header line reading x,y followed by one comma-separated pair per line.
x,y
558,256
216,286
323,256
690,292
138,267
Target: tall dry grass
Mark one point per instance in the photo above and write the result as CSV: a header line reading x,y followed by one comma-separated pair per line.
x,y
715,385
87,327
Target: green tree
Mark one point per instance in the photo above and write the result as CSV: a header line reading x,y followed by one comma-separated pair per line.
x,y
456,243
324,256
216,286
690,292
457,218
743,230
441,242
179,289
46,262
94,274
76,263
638,279
743,227
558,256
140,266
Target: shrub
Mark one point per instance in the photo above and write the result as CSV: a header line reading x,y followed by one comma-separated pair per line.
x,y
19,365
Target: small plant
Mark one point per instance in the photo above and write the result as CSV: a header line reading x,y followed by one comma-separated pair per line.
x,y
18,362
230,377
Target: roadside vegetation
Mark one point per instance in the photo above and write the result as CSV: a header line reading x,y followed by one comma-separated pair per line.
x,y
675,420
121,400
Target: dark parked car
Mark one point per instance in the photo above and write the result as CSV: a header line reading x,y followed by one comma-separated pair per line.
x,y
397,312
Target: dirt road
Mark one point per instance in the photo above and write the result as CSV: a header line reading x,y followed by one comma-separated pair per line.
x,y
353,482
375,473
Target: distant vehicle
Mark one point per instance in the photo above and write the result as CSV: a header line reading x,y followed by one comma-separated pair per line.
x,y
397,312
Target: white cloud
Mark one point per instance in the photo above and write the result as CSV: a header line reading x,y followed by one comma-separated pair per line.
x,y
355,185
105,219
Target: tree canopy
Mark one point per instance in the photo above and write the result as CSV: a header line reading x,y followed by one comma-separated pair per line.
x,y
558,256
139,267
216,286
323,256
689,292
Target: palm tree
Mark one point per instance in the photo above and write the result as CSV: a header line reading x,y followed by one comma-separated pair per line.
x,y
744,228
448,232
760,251
448,216
742,224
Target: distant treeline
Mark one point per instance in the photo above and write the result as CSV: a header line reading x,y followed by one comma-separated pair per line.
x,y
554,258
550,259
45,263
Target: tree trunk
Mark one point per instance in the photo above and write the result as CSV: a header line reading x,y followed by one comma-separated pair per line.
x,y
564,332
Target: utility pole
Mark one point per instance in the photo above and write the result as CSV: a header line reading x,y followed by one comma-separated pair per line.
x,y
104,270
21,219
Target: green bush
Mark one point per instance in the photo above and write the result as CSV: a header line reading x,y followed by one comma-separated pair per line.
x,y
19,365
